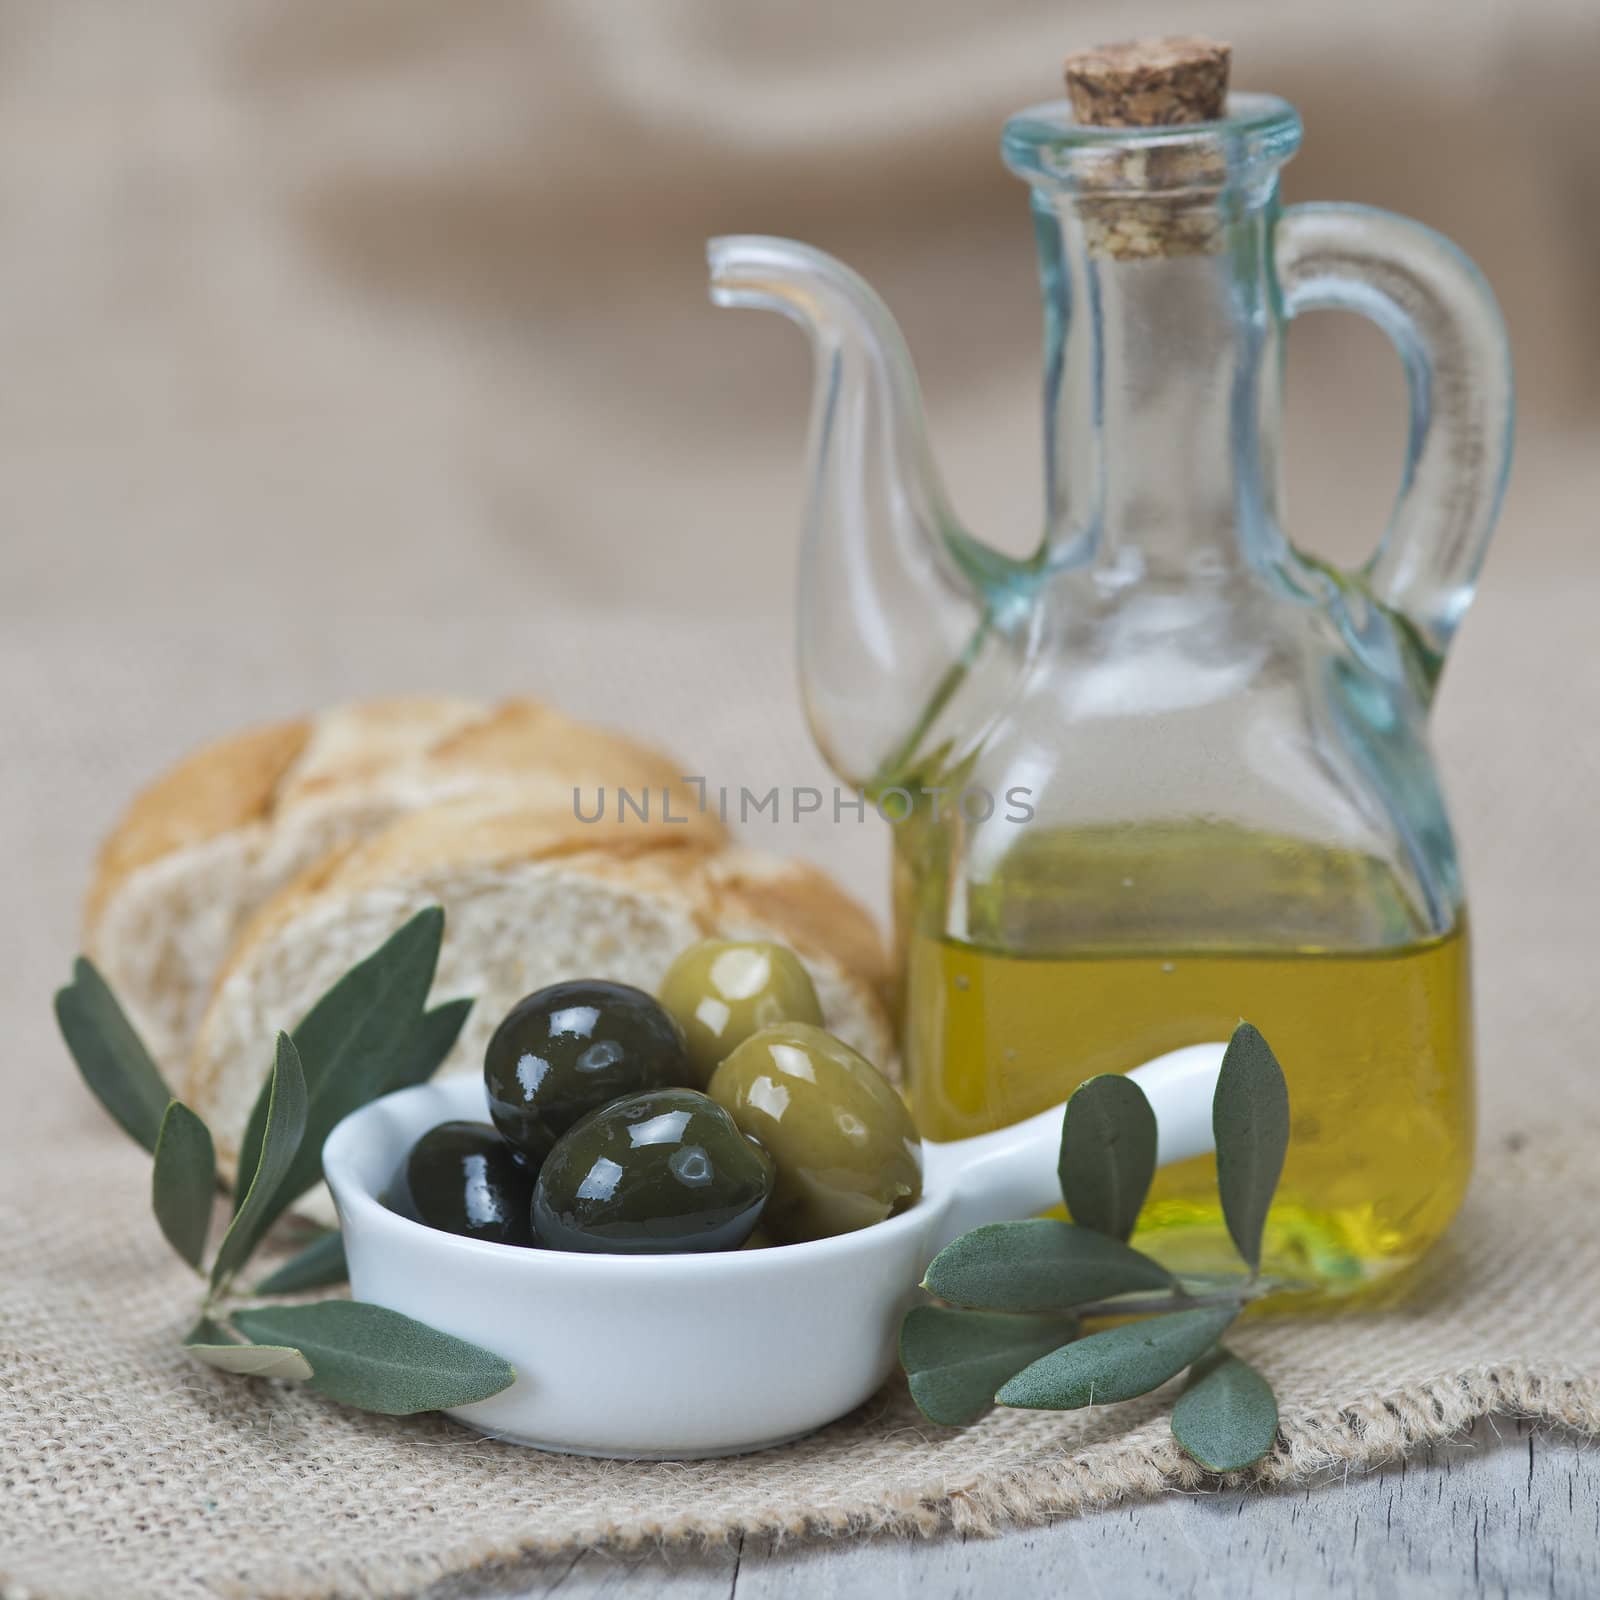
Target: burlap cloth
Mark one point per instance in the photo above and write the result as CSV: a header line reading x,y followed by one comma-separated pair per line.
x,y
360,349
127,1469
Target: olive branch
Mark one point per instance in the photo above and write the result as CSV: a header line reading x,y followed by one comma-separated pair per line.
x,y
1016,1295
368,1035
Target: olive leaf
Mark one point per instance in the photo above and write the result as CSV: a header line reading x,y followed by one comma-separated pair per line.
x,y
205,1331
321,1263
955,1360
110,1054
367,1035
433,1038
183,1181
217,1346
1039,1265
254,1360
282,1139
1118,1364
378,1360
1227,1416
1250,1125
1108,1154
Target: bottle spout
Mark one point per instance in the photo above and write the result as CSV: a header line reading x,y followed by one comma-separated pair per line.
x,y
812,288
895,597
753,271
861,354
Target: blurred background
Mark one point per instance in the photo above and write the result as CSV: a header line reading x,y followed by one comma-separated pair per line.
x,y
364,346
394,305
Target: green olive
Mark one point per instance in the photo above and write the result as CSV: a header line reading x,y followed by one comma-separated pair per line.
x,y
462,1177
652,1174
723,990
846,1149
568,1049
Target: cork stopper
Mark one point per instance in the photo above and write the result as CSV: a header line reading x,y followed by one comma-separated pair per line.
x,y
1146,203
1149,83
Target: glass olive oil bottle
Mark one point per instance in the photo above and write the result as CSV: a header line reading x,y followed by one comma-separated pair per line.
x,y
1168,770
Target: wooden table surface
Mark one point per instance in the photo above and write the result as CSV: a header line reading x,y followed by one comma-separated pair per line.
x,y
1509,1510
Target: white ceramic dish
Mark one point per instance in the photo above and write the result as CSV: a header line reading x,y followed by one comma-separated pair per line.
x,y
674,1357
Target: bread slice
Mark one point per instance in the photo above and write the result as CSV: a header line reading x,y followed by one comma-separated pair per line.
x,y
528,901
207,844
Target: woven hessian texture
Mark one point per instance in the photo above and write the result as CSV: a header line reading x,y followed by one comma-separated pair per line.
x,y
126,1468
132,1471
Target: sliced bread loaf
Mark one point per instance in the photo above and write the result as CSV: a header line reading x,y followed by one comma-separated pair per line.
x,y
207,844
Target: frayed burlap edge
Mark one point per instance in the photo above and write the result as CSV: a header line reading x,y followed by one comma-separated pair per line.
x,y
1374,1428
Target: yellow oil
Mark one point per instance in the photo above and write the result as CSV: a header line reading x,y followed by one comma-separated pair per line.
x,y
1375,1041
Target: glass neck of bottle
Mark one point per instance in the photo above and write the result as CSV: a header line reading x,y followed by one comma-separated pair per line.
x,y
1162,387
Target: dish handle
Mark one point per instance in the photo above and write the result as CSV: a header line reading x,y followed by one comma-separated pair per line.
x,y
1010,1173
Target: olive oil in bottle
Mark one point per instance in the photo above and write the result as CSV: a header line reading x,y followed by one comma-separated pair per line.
x,y
1375,1039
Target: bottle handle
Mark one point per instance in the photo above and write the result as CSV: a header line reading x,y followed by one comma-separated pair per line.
x,y
1443,321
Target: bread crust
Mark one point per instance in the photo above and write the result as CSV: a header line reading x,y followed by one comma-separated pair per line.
x,y
225,785
208,843
259,775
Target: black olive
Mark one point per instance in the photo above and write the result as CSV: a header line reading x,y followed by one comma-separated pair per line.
x,y
462,1177
652,1174
569,1049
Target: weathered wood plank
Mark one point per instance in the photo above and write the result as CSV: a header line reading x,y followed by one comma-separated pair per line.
x,y
1507,1511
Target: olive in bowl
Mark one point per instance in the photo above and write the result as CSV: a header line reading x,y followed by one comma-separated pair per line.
x,y
720,991
845,1147
566,1050
652,1174
462,1177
